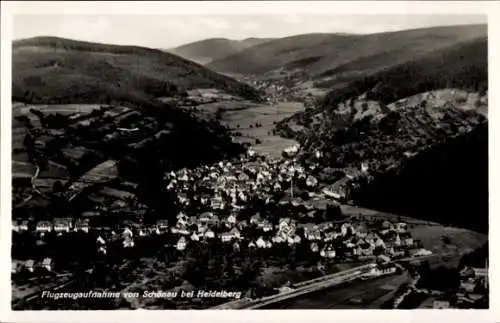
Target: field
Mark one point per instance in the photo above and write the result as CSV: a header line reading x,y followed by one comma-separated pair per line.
x,y
434,238
242,117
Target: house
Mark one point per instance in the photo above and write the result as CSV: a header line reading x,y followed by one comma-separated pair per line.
x,y
480,272
401,227
81,225
328,251
381,270
47,264
386,269
334,193
344,229
235,233
236,246
251,244
297,239
266,226
15,226
128,242
242,224
379,243
284,223
278,239
406,239
181,244
16,267
260,243
23,225
30,265
387,225
329,236
183,230
217,203
195,237
231,220
313,235
364,167
397,252
468,286
256,219
314,247
43,226
437,304
100,240
421,252
127,233
209,234
226,237
62,225
251,153
467,272
162,224
311,181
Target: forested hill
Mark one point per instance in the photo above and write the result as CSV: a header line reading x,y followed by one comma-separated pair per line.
x,y
52,70
447,183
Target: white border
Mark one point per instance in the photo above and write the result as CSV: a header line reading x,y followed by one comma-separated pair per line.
x,y
10,8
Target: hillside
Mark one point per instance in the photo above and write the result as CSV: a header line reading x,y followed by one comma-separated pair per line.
x,y
447,184
56,70
401,120
463,66
207,50
320,56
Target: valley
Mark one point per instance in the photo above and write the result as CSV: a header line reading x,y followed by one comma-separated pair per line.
x,y
275,162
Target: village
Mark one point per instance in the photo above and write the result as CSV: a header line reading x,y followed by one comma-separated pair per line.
x,y
257,203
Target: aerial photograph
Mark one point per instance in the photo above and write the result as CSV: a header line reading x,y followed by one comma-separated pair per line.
x,y
164,162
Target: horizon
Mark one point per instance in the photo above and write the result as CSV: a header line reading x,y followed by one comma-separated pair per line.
x,y
134,31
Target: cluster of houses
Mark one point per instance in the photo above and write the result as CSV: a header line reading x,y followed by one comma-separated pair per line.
x,y
473,288
218,202
32,266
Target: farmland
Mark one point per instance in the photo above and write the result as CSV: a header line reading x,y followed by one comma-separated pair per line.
x,y
251,122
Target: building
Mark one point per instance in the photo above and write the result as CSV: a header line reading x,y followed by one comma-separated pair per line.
x,y
226,237
209,234
381,270
195,237
47,264
438,304
81,225
62,225
260,243
328,251
480,272
30,265
162,224
43,226
468,286
181,244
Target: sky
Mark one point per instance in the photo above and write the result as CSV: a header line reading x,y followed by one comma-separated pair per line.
x,y
168,31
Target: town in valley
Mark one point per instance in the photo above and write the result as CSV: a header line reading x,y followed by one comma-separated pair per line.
x,y
281,174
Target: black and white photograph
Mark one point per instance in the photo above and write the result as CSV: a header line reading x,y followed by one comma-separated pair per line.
x,y
263,161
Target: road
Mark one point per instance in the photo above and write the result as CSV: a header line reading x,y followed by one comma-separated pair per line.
x,y
306,294
347,295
